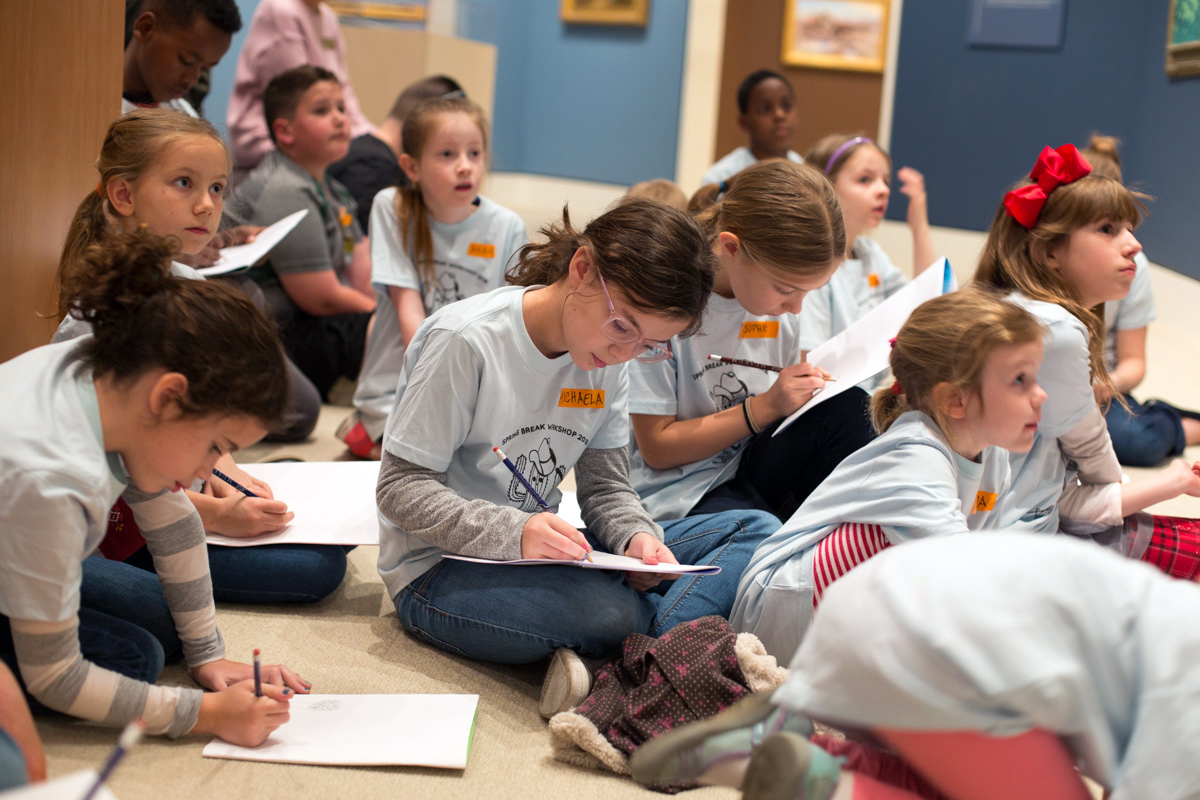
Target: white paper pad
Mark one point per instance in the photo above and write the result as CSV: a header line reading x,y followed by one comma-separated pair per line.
x,y
861,351
240,256
417,730
68,787
600,561
334,503
568,509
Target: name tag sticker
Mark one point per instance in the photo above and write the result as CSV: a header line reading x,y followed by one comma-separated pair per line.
x,y
984,501
481,250
872,280
581,398
764,329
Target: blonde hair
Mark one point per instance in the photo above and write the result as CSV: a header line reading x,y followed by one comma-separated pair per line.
x,y
1017,259
132,145
411,212
660,190
656,254
786,216
1102,154
824,149
948,340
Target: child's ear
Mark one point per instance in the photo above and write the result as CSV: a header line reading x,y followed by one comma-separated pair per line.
x,y
282,128
728,243
143,27
120,194
743,124
166,394
580,267
950,400
409,165
1039,252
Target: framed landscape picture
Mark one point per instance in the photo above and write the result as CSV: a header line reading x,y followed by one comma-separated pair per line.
x,y
606,12
836,34
1183,38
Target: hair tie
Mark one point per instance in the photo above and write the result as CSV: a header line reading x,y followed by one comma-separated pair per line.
x,y
892,342
722,187
845,146
100,190
1053,169
897,389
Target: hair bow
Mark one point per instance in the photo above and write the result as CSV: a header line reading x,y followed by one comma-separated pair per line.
x,y
1053,169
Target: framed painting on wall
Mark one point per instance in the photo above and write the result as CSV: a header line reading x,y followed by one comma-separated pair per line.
x,y
606,12
836,34
1183,38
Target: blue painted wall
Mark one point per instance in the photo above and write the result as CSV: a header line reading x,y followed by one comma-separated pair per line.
x,y
576,101
974,119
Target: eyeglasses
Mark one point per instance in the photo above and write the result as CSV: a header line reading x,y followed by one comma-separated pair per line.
x,y
616,329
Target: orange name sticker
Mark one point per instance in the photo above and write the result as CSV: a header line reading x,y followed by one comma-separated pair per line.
x,y
581,398
763,329
344,217
984,501
872,280
481,250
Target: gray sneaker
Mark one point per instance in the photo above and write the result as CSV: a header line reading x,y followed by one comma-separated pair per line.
x,y
568,682
787,766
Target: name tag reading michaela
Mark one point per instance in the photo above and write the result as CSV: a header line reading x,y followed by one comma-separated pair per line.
x,y
763,329
984,501
581,398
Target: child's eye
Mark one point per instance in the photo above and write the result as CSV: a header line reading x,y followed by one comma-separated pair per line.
x,y
476,153
183,183
1107,227
217,188
785,290
620,327
217,450
1020,380
186,62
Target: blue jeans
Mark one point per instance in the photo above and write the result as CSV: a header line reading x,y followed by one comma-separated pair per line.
x,y
124,624
271,573
519,615
12,763
1146,434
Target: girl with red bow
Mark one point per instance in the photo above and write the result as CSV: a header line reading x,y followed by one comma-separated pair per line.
x,y
1062,244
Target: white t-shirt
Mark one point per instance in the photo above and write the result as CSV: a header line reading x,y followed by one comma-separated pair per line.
x,y
58,482
908,481
1040,475
734,162
857,286
1000,633
178,104
473,380
690,386
470,258
1135,310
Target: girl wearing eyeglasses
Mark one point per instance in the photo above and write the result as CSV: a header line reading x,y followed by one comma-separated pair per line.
x,y
704,427
523,368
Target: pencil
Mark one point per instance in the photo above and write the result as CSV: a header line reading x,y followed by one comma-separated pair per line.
x,y
129,737
257,672
532,491
233,483
741,362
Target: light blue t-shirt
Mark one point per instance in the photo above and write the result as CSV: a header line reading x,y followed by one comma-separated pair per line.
x,y
1135,310
473,380
734,162
690,386
908,481
469,258
857,286
1040,475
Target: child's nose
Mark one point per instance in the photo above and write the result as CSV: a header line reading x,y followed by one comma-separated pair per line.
x,y
794,303
1132,245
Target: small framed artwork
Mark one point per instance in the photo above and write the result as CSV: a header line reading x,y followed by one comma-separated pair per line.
x,y
606,12
836,34
1183,38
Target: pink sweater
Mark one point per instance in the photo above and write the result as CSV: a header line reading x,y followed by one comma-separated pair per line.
x,y
282,35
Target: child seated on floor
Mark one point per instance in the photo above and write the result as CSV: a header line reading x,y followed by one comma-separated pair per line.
x,y
373,161
767,113
317,280
173,42
1143,434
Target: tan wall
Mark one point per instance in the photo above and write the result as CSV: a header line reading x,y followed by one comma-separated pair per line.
x,y
60,87
828,101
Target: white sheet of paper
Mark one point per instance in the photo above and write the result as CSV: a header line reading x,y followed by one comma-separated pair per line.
x,y
568,509
334,503
600,561
247,255
70,787
418,730
862,350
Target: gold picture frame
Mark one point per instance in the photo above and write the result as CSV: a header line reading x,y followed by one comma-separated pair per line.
x,y
390,12
836,34
633,13
1183,39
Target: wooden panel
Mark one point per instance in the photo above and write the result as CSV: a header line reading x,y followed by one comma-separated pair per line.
x,y
60,87
382,61
828,101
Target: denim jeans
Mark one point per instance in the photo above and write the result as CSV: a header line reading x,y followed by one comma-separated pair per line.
x,y
270,573
519,615
1145,434
124,624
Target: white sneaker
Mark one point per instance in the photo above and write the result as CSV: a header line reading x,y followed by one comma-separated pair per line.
x,y
567,683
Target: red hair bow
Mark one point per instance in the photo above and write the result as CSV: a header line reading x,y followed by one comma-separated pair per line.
x,y
1053,169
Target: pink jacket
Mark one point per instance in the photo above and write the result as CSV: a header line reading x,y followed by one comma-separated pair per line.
x,y
282,35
